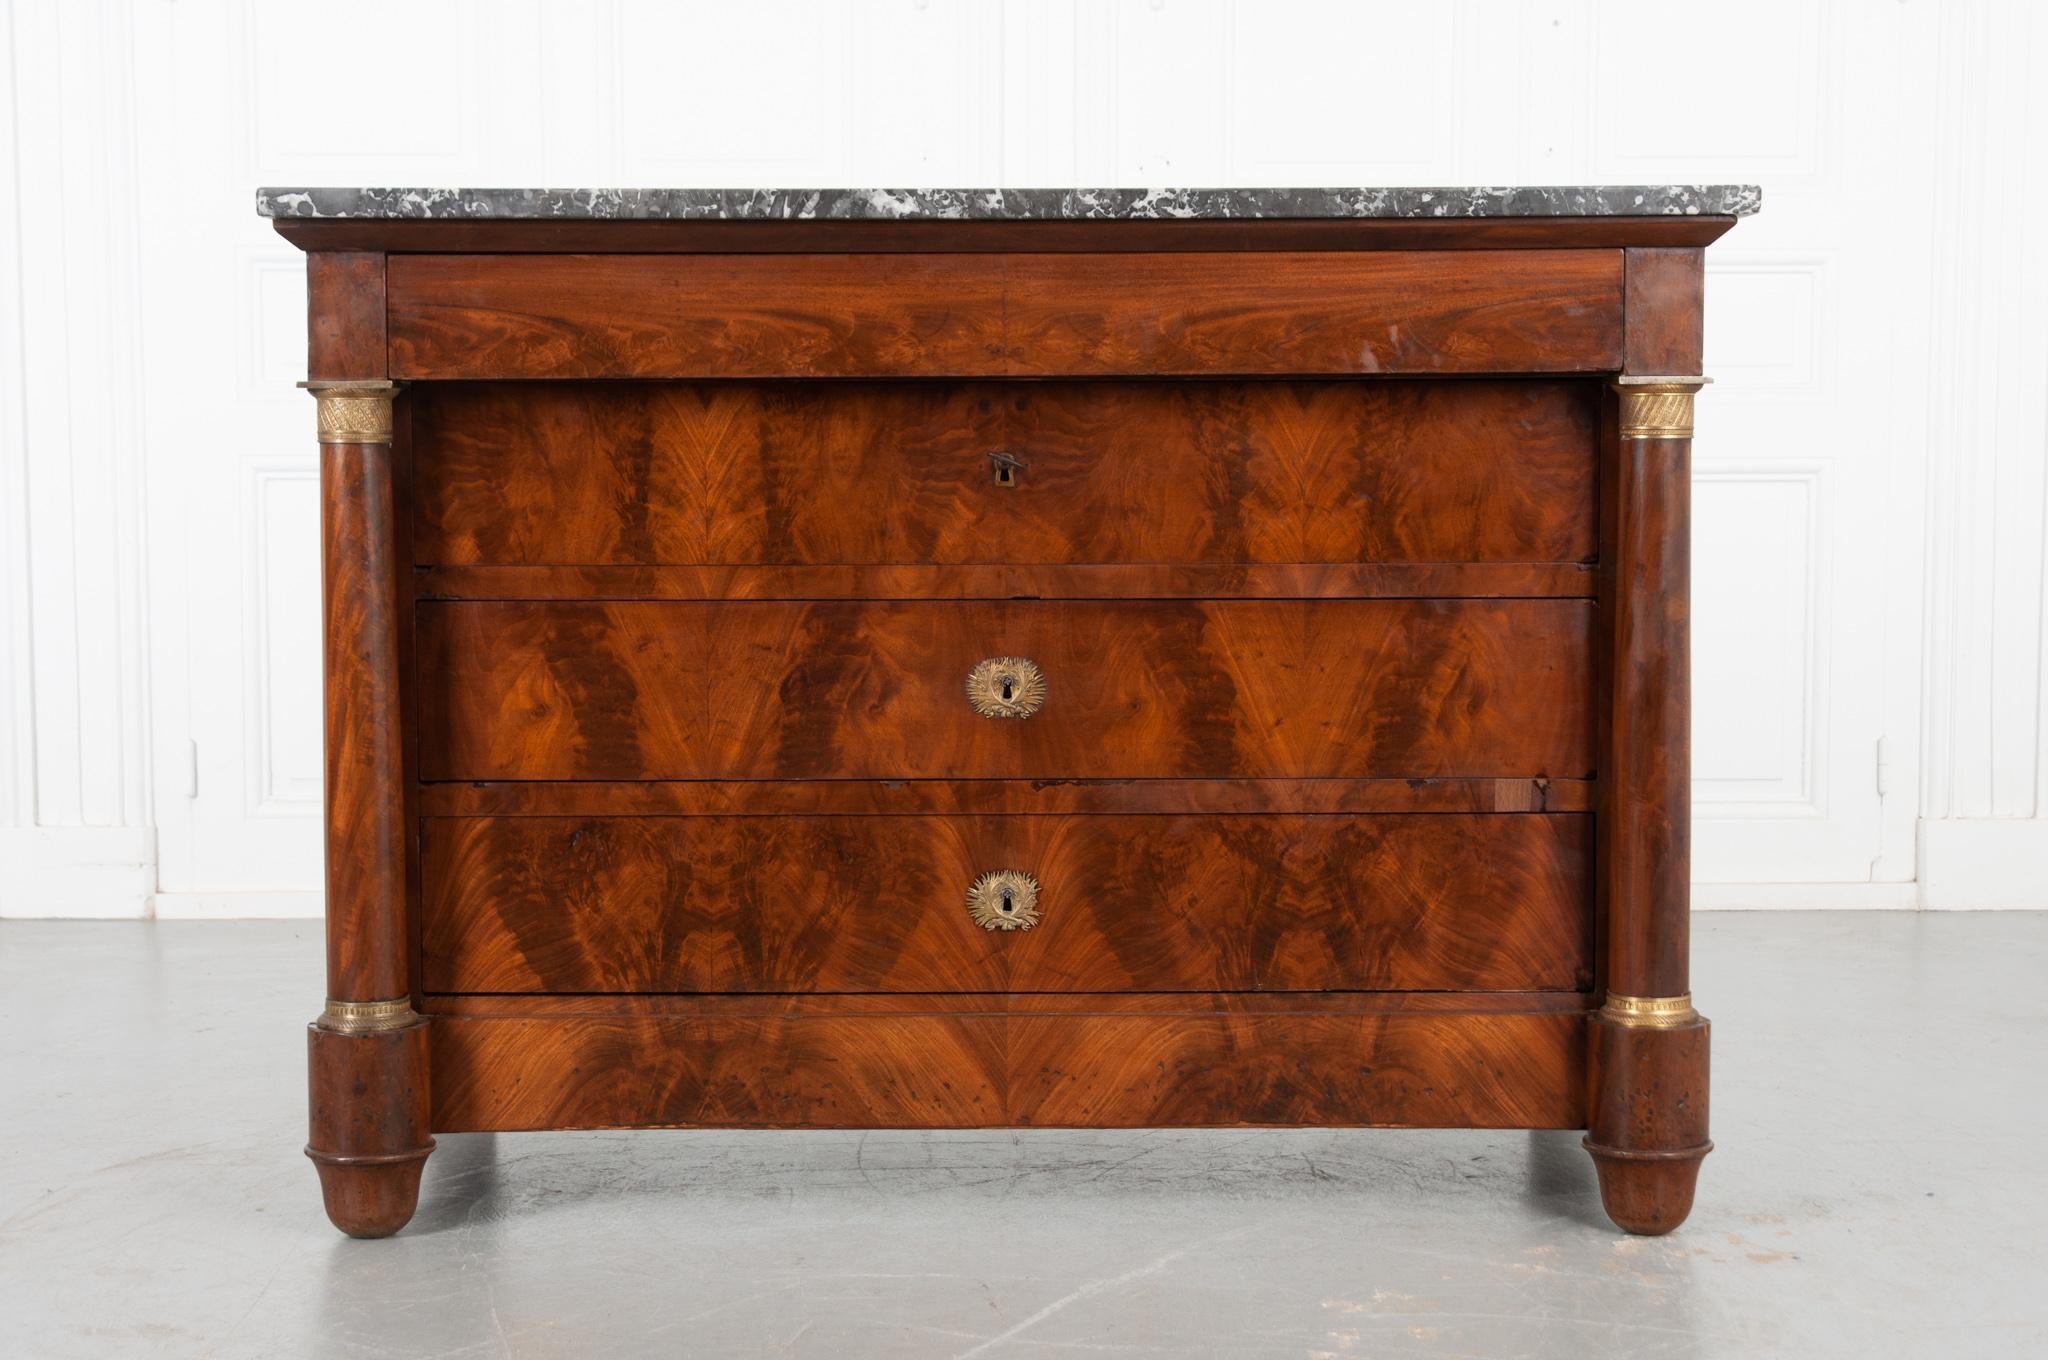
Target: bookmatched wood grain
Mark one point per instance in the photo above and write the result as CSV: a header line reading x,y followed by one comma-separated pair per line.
x,y
789,474
807,1005
880,315
857,904
1163,689
1088,1068
1090,581
1035,797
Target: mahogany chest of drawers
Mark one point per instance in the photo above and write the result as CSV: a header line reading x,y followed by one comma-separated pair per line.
x,y
1034,663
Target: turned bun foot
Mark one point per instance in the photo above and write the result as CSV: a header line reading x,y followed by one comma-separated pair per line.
x,y
370,1196
1647,1193
369,1122
1647,1121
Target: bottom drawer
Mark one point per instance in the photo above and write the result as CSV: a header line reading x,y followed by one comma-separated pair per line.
x,y
1419,1061
1492,902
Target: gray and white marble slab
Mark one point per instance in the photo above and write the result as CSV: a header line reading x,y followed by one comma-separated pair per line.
x,y
990,205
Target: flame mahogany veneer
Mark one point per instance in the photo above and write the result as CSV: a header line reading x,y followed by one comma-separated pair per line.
x,y
1358,777
872,903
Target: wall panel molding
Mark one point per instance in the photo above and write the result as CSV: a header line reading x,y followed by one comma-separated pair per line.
x,y
1986,497
17,675
1774,130
1881,418
72,484
1983,833
1771,341
281,518
1760,680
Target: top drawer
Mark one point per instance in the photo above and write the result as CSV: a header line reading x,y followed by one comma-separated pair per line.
x,y
957,474
816,316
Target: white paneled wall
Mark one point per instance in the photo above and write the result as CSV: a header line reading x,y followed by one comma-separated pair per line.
x,y
77,835
1984,840
1870,495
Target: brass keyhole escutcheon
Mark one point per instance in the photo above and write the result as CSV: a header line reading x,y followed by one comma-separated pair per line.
x,y
1006,687
1007,466
1004,899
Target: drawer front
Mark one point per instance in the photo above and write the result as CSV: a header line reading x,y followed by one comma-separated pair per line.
x,y
1141,689
1046,315
1124,903
1004,473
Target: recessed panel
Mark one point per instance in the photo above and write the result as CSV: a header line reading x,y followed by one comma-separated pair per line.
x,y
1753,642
1766,331
284,649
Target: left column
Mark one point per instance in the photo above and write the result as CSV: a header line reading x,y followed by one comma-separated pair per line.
x,y
367,1053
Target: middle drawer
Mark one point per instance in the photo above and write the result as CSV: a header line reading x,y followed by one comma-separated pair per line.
x,y
629,690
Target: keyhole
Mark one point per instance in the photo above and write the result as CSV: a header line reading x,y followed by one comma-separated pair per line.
x,y
1008,681
1003,477
1008,906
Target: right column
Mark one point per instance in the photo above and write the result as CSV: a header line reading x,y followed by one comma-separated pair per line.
x,y
1647,1053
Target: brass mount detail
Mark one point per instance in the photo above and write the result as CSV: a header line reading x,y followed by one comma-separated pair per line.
x,y
354,412
1649,1012
367,1017
1006,687
1657,408
1005,899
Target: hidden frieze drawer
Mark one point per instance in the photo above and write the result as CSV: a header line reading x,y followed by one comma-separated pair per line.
x,y
917,314
1067,659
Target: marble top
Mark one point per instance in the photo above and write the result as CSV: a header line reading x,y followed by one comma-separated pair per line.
x,y
798,205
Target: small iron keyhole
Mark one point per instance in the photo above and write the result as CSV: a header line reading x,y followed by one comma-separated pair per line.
x,y
1009,683
1009,903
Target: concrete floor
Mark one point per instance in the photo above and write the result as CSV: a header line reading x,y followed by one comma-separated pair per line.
x,y
1879,1190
